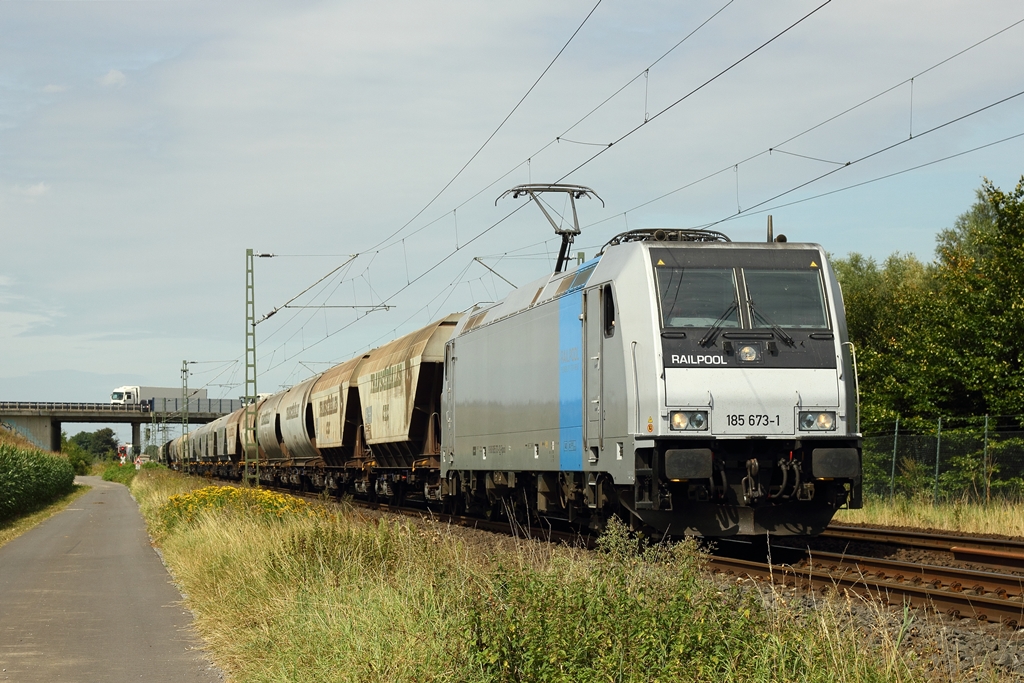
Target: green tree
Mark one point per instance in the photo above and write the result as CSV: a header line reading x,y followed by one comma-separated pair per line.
x,y
980,271
98,443
945,338
895,354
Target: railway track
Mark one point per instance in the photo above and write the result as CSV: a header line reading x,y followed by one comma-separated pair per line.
x,y
965,593
997,552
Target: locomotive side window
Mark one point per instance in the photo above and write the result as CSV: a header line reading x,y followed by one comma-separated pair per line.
x,y
697,297
581,277
609,311
787,298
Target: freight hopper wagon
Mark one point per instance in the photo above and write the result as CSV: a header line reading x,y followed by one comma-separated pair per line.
x,y
369,427
688,383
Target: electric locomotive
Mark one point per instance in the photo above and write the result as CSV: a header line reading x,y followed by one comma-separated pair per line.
x,y
689,383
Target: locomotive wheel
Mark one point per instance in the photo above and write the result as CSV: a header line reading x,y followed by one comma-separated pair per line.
x,y
454,505
397,496
494,511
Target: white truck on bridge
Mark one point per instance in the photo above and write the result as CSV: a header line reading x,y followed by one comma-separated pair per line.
x,y
136,394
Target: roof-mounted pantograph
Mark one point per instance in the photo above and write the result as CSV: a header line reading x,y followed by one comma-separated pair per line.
x,y
568,233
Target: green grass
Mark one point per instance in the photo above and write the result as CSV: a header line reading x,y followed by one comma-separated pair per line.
x,y
30,478
16,526
124,474
326,594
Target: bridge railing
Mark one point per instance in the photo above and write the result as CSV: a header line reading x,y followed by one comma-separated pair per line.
x,y
100,407
196,405
158,405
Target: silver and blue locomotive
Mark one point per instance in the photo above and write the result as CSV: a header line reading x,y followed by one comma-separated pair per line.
x,y
684,382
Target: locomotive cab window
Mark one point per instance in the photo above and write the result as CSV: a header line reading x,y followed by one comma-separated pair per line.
x,y
609,311
697,297
787,298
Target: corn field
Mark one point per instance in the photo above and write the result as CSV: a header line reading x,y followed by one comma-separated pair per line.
x,y
31,478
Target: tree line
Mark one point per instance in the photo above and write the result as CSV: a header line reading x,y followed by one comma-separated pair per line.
x,y
945,338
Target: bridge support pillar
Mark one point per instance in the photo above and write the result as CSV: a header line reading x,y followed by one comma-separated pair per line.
x,y
43,431
136,439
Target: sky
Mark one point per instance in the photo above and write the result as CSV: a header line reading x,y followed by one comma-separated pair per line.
x,y
144,146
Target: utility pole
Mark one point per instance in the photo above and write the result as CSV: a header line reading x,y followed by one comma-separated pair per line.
x,y
184,410
250,447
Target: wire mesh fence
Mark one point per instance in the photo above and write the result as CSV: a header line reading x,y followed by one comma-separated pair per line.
x,y
975,459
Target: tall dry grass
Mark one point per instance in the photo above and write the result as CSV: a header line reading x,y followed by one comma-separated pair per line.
x,y
336,596
1003,517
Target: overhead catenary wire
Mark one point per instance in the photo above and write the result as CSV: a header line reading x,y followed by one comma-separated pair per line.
x,y
748,210
697,89
495,132
776,147
879,178
351,258
761,203
475,154
874,154
416,279
528,161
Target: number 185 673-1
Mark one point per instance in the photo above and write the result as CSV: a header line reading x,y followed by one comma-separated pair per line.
x,y
752,420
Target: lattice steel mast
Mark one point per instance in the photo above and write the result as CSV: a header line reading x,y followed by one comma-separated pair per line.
x,y
251,475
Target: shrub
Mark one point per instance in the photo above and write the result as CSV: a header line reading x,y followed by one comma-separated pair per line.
x,y
186,508
122,474
80,459
30,478
637,613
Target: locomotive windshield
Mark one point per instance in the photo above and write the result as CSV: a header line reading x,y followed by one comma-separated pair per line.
x,y
786,298
697,297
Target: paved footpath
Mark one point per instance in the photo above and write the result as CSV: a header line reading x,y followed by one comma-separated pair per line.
x,y
84,597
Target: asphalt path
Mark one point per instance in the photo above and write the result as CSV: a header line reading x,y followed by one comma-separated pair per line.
x,y
84,597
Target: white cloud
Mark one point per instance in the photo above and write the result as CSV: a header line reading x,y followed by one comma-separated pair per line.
x,y
14,323
52,88
32,192
113,79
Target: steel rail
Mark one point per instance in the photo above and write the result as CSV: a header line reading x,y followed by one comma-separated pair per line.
x,y
997,558
957,604
1006,586
922,539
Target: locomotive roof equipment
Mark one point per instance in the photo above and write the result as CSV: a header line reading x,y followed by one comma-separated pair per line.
x,y
568,233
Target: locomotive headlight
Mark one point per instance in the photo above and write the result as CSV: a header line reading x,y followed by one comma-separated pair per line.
x,y
824,421
749,353
689,420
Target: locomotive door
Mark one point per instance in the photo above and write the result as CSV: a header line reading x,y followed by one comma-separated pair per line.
x,y
594,372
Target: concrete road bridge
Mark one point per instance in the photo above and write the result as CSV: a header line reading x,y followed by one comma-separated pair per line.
x,y
40,423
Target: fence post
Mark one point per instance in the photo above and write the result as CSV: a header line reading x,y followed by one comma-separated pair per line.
x,y
984,464
892,474
938,445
